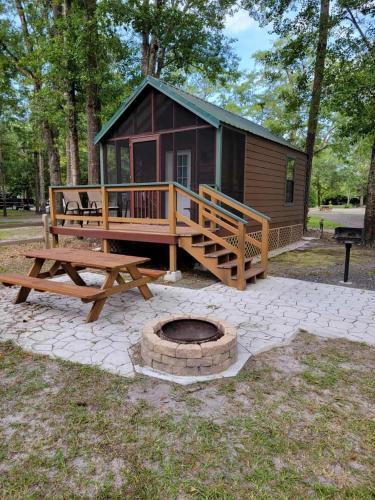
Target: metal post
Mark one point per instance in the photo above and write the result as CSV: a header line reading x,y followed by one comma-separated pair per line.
x,y
348,246
321,226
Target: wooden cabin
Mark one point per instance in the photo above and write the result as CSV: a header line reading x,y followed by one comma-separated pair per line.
x,y
165,134
166,154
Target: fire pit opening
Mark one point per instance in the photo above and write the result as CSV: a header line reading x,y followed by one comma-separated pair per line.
x,y
188,331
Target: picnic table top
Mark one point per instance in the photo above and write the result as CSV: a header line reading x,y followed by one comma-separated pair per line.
x,y
86,258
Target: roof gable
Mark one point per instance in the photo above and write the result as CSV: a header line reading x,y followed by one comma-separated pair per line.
x,y
209,112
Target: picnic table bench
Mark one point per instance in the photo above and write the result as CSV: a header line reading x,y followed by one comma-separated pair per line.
x,y
325,208
71,260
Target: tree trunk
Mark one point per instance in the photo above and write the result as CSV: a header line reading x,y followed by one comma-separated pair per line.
x,y
369,236
72,133
2,181
36,183
42,184
71,106
93,102
153,55
312,126
319,192
68,175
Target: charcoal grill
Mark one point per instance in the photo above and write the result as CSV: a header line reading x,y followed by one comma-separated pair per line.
x,y
348,236
189,331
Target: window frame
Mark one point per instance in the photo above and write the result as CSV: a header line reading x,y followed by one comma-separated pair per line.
x,y
293,158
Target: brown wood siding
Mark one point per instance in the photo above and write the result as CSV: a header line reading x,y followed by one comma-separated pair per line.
x,y
264,180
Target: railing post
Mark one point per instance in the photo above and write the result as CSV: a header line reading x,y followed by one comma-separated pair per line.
x,y
52,211
265,243
52,205
241,256
172,207
106,248
200,207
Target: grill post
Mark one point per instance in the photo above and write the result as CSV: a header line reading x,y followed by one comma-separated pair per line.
x,y
348,246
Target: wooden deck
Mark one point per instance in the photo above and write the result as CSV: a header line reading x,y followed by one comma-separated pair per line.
x,y
147,233
213,235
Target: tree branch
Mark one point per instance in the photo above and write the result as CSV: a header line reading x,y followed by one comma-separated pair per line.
x,y
365,40
25,71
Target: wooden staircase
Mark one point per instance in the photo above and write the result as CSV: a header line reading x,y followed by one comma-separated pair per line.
x,y
221,242
221,262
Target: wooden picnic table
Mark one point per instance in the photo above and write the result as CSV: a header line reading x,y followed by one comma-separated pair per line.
x,y
71,260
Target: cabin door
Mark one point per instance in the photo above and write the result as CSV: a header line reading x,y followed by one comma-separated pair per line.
x,y
145,168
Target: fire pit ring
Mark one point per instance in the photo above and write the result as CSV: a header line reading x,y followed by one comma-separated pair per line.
x,y
189,331
189,345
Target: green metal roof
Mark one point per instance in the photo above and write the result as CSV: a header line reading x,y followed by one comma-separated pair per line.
x,y
206,110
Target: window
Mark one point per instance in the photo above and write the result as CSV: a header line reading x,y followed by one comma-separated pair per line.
x,y
183,167
289,184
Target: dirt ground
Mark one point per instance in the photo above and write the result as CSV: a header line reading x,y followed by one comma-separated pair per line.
x,y
318,261
299,421
323,261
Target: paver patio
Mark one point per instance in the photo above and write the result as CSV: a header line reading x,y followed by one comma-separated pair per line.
x,y
266,314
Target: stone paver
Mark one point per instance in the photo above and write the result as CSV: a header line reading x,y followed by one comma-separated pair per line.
x,y
266,314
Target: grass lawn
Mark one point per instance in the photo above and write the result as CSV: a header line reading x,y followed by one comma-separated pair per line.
x,y
20,233
15,215
299,421
322,261
313,223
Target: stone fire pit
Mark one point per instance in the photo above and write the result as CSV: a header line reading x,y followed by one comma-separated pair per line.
x,y
196,354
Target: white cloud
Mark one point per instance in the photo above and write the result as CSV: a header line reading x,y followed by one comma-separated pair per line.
x,y
239,22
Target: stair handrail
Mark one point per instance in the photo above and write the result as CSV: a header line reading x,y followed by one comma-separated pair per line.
x,y
213,213
250,212
209,203
237,205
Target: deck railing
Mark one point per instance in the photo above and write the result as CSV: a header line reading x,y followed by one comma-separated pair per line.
x,y
157,203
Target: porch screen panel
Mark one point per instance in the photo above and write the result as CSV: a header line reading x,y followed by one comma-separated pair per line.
x,y
123,162
145,203
183,117
111,163
232,166
143,116
123,169
145,161
163,112
206,156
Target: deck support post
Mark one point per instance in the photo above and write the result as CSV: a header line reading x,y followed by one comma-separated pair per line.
x,y
172,258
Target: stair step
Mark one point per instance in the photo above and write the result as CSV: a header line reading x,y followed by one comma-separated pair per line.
x,y
204,244
250,273
218,253
231,263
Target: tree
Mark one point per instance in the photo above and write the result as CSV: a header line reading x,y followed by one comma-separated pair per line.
x,y
178,37
351,84
21,43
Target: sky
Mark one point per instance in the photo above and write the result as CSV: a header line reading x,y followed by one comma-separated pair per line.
x,y
250,37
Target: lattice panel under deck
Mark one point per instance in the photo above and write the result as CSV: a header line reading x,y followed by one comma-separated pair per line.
x,y
278,237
